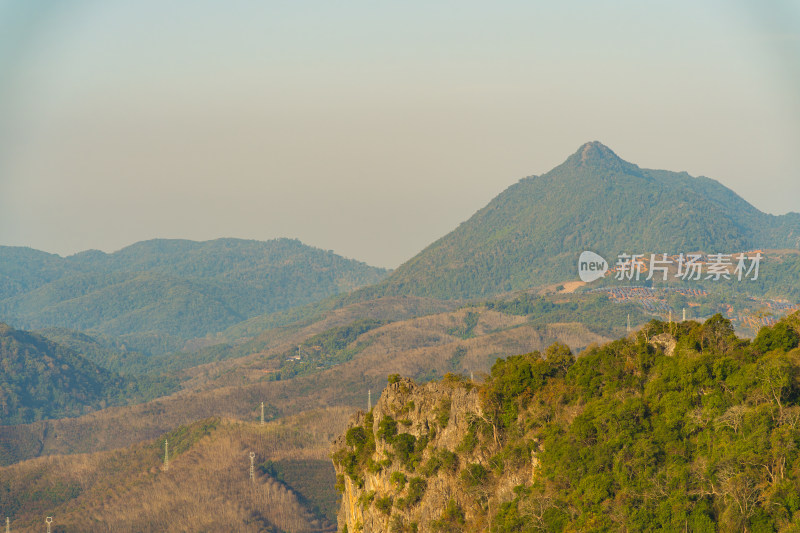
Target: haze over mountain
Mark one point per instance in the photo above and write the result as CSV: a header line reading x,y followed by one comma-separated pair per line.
x,y
155,295
533,232
317,361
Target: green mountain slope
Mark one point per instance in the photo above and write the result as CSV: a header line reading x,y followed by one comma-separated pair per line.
x,y
155,295
533,232
41,379
105,351
24,269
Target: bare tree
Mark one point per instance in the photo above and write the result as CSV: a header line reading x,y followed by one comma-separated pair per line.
x,y
732,418
536,506
739,488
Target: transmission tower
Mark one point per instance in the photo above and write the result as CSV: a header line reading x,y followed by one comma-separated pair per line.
x,y
166,455
369,400
252,467
262,413
48,521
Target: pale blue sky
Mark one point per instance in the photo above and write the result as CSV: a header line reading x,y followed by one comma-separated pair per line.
x,y
370,128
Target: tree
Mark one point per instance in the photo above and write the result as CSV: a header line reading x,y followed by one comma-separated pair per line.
x,y
717,333
780,337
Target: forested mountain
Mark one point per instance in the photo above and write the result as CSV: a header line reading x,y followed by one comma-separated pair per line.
x,y
533,232
41,379
679,427
155,295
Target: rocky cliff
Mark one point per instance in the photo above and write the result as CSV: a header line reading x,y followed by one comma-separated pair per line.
x,y
420,460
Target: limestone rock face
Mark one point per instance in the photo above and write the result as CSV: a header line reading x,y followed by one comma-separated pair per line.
x,y
408,479
666,342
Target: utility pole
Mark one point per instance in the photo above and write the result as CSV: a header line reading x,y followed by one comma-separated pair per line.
x,y
252,467
166,455
262,413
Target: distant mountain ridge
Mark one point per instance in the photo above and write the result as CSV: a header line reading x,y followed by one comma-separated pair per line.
x,y
532,233
157,294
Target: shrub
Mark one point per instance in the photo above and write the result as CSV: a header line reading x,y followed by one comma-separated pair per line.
x,y
366,498
384,504
387,429
399,480
469,442
399,525
452,518
442,459
443,412
404,447
474,474
356,437
416,489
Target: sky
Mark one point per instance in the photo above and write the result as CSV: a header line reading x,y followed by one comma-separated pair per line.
x,y
371,128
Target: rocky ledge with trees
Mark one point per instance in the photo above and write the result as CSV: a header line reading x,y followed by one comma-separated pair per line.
x,y
678,427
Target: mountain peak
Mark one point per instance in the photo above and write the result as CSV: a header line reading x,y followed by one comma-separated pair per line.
x,y
596,151
533,232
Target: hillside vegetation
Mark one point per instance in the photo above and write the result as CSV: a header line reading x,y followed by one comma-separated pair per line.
x,y
41,379
349,322
205,488
466,340
156,295
680,427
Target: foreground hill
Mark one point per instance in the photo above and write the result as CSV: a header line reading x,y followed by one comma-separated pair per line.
x,y
533,232
205,488
42,379
679,427
155,295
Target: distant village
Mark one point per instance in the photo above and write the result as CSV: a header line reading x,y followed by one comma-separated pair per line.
x,y
759,313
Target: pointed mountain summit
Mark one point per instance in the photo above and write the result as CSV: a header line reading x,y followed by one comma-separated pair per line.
x,y
533,232
595,152
595,155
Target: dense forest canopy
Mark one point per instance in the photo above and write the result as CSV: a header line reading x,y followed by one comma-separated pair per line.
x,y
41,379
632,438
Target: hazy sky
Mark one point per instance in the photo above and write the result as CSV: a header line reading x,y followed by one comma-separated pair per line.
x,y
371,128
